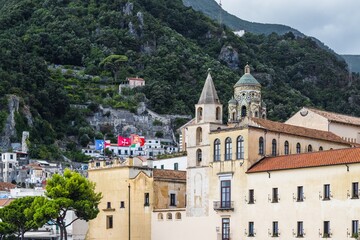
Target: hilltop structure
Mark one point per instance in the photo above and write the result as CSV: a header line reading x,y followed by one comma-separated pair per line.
x,y
131,82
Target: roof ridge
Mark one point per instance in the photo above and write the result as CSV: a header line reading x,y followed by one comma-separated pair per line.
x,y
307,132
306,160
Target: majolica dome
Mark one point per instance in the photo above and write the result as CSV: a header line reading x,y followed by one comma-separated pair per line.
x,y
247,79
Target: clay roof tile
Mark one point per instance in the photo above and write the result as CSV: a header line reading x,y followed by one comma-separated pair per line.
x,y
305,160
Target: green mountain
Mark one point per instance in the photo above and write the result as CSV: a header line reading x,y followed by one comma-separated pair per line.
x,y
50,55
212,9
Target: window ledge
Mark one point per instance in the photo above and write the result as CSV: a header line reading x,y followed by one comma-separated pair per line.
x,y
109,209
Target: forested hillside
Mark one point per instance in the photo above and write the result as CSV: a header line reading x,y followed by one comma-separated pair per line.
x,y
50,55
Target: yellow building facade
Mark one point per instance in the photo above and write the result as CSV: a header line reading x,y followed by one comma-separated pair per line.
x,y
131,192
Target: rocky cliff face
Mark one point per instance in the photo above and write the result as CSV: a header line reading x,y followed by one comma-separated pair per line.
x,y
9,130
230,56
124,123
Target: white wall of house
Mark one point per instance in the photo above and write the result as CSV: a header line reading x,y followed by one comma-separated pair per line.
x,y
169,163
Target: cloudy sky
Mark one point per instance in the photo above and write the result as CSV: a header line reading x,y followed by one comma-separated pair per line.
x,y
334,22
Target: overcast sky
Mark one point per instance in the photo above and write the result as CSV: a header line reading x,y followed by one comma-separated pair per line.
x,y
334,22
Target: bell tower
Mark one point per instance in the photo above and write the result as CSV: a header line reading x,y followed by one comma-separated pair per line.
x,y
208,117
209,108
246,101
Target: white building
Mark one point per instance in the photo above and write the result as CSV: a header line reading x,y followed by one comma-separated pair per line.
x,y
9,164
151,148
175,163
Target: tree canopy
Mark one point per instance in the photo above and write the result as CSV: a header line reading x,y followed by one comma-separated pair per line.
x,y
15,218
68,192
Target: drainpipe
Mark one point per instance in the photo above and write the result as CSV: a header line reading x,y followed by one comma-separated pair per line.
x,y
129,214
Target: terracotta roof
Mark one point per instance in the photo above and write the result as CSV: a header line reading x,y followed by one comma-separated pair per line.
x,y
305,160
4,186
6,201
336,117
296,130
164,174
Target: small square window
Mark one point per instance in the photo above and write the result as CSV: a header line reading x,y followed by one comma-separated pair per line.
x,y
275,229
326,229
146,199
355,190
355,228
251,229
251,196
300,194
300,229
172,199
109,222
326,192
275,195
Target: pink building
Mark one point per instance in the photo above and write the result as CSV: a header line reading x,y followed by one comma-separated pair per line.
x,y
131,82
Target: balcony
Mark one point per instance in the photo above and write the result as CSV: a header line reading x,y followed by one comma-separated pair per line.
x,y
224,205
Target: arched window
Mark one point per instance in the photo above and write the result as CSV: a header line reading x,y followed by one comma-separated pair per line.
x,y
160,216
216,150
198,157
240,147
273,147
309,148
320,148
218,113
233,116
256,114
286,147
261,146
198,135
228,150
298,148
199,114
178,216
168,216
243,111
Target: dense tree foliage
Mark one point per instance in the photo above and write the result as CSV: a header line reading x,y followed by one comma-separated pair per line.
x,y
64,193
68,192
16,220
51,53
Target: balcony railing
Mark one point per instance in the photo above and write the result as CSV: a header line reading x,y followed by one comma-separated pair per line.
x,y
224,205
